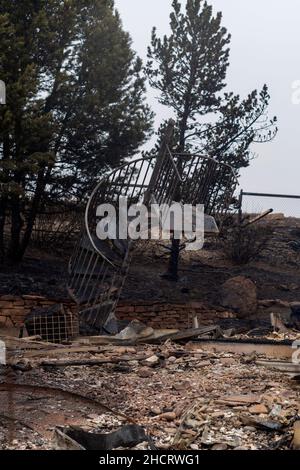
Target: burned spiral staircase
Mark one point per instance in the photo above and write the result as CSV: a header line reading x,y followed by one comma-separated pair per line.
x,y
98,268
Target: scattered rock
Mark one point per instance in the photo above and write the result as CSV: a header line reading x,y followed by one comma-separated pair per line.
x,y
193,423
248,359
227,361
171,416
203,364
179,410
171,360
194,446
152,361
207,408
219,447
258,409
145,373
124,350
180,386
156,411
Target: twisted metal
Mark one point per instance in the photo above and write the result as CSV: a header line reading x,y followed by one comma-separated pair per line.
x,y
98,269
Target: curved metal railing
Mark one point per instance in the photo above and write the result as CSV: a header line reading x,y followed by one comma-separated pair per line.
x,y
98,268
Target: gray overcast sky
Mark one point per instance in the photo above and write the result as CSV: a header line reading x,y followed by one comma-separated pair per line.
x,y
265,48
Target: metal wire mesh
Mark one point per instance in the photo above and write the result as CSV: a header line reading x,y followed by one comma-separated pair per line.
x,y
256,203
55,325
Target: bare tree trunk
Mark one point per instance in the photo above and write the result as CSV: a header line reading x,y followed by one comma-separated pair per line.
x,y
3,206
16,228
34,209
172,274
4,196
182,133
17,221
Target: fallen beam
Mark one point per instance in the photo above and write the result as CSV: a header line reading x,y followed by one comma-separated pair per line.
x,y
67,350
92,362
271,350
23,344
185,335
287,367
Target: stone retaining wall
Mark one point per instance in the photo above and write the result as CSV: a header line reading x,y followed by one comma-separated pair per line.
x,y
13,311
167,315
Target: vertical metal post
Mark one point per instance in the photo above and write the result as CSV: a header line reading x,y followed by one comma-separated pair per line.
x,y
240,215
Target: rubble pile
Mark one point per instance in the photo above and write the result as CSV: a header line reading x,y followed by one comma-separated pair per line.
x,y
185,397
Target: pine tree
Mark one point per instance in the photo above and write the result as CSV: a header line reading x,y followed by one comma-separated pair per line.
x,y
240,123
189,69
75,105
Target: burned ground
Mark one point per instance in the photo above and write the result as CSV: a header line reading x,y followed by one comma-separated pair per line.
x,y
184,395
276,272
186,398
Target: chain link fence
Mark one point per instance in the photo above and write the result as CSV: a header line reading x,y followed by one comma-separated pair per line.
x,y
55,227
284,246
257,203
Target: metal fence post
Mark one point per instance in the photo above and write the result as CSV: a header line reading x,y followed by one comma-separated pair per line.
x,y
2,92
241,206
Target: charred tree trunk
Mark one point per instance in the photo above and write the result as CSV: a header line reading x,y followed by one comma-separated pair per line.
x,y
17,220
17,223
3,207
4,196
172,273
35,206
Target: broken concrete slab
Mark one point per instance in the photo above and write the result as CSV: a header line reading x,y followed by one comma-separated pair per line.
x,y
135,330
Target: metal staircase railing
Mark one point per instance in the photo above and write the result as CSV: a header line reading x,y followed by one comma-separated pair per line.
x,y
98,269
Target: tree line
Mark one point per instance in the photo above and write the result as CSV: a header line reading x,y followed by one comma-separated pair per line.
x,y
76,101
